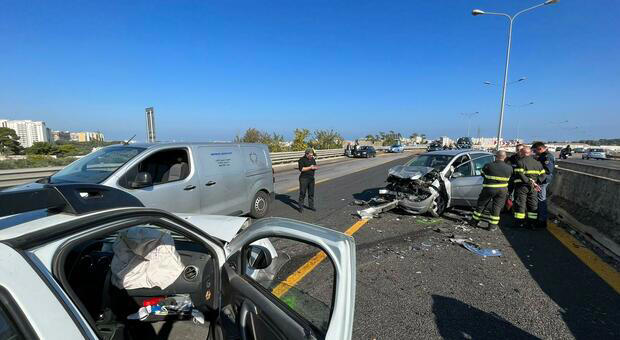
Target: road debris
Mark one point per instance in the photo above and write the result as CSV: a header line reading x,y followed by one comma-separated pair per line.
x,y
462,227
474,248
373,212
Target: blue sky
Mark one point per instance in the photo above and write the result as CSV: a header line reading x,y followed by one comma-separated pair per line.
x,y
212,69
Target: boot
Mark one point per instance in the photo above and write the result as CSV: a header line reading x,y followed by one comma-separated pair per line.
x,y
301,206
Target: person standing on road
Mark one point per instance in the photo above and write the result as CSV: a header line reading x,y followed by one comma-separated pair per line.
x,y
547,160
307,166
494,191
512,161
530,174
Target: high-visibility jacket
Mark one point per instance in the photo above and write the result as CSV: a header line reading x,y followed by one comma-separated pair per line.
x,y
529,168
496,174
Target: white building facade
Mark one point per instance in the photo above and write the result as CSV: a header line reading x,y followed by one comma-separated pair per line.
x,y
29,131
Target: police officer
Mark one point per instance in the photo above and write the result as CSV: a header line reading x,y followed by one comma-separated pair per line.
x,y
307,166
547,160
494,191
530,175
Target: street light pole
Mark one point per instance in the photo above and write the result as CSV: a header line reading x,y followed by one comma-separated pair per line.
x,y
469,115
511,19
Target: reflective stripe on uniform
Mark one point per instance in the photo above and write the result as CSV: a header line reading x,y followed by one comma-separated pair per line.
x,y
518,180
519,170
519,215
532,215
500,185
497,178
534,172
489,217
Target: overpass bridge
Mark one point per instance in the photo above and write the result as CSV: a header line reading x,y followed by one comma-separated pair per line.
x,y
412,282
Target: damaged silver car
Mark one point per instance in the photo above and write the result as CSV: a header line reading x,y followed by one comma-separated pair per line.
x,y
435,181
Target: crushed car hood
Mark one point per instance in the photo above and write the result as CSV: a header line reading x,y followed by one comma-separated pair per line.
x,y
402,171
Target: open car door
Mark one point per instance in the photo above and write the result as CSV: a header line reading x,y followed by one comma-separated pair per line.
x,y
302,288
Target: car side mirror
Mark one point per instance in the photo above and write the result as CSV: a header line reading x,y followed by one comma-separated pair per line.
x,y
258,257
142,180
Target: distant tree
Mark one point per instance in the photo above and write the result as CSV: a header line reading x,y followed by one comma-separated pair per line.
x,y
9,142
300,140
327,139
42,148
252,135
371,138
68,150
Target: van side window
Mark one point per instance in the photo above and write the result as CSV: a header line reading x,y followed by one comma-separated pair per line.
x,y
164,167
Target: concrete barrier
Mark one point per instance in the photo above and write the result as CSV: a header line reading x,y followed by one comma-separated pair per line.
x,y
588,196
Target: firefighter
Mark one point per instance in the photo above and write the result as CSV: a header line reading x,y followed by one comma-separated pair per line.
x,y
494,192
512,161
547,160
530,175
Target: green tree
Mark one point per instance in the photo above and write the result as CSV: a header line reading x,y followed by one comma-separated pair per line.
x,y
9,142
42,148
371,138
252,135
327,139
300,142
68,150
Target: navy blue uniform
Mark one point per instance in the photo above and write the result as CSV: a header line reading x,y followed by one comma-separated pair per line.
x,y
547,160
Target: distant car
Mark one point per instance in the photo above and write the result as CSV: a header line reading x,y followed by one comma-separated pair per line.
x,y
594,154
365,151
464,143
434,147
579,150
396,148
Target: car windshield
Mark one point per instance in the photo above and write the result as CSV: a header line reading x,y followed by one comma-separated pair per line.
x,y
97,166
437,162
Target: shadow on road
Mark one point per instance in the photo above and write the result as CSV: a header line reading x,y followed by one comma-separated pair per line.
x,y
286,199
367,194
588,306
457,320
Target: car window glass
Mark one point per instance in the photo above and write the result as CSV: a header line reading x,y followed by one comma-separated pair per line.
x,y
8,330
164,167
480,162
302,276
463,166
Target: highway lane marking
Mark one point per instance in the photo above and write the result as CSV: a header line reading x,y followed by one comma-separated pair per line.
x,y
309,266
598,266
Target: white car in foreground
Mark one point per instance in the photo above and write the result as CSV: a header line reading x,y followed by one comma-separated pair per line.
x,y
88,261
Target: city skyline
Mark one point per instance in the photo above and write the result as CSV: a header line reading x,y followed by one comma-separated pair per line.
x,y
212,70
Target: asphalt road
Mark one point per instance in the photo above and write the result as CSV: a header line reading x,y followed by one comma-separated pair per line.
x,y
412,283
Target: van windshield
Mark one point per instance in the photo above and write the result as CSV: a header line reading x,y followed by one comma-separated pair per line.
x,y
97,166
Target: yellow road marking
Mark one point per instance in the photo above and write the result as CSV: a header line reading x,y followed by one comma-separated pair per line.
x,y
309,266
602,269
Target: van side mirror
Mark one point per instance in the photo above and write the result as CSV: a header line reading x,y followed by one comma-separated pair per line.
x,y
142,180
258,257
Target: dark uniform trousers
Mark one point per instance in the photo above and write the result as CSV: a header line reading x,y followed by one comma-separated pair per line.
x,y
526,199
306,184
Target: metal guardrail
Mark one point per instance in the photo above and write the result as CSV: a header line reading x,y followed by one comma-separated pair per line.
x,y
14,177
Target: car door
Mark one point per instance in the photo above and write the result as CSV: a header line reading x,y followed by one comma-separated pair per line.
x,y
479,160
222,184
277,308
174,184
39,313
461,179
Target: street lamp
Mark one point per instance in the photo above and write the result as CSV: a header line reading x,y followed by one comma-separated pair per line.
x,y
469,115
511,19
512,82
519,117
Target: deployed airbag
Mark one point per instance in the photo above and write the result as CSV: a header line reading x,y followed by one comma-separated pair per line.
x,y
144,258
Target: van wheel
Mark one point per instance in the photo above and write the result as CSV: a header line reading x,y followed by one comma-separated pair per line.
x,y
260,205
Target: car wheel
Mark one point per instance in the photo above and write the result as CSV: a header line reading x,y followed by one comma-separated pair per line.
x,y
260,205
438,206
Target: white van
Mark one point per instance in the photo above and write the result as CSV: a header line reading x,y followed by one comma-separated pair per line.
x,y
205,178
